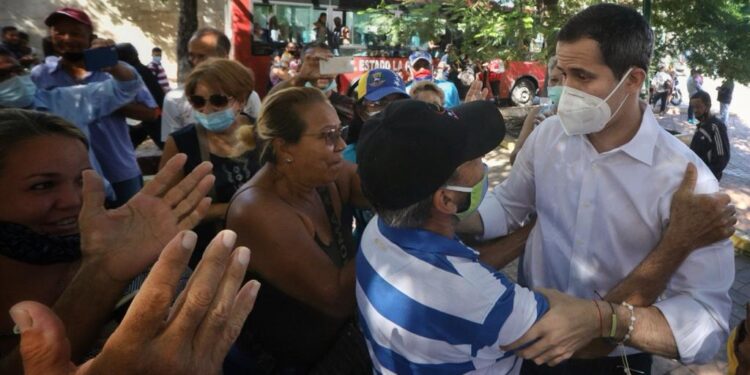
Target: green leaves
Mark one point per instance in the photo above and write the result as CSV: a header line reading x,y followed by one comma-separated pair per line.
x,y
714,34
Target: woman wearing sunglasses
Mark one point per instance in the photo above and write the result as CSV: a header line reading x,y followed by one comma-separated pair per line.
x,y
289,214
217,89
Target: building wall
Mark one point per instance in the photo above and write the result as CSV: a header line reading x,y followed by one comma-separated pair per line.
x,y
143,23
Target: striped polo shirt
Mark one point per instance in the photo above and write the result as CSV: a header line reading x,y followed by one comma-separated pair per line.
x,y
427,305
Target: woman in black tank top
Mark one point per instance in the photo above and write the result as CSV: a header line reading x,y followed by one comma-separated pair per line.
x,y
289,215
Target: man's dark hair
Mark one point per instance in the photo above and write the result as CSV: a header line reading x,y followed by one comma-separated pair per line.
x,y
625,38
223,45
23,35
9,28
703,96
155,49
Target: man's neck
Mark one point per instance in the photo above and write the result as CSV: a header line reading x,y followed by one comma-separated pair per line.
x,y
444,225
622,129
75,69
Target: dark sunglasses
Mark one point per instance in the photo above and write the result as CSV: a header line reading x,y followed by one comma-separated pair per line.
x,y
216,100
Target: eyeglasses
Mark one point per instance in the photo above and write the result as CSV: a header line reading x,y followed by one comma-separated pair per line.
x,y
331,136
15,70
216,100
379,103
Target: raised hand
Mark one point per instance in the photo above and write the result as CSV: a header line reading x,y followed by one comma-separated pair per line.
x,y
193,339
126,240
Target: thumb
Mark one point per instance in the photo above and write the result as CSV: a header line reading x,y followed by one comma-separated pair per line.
x,y
687,186
93,194
44,347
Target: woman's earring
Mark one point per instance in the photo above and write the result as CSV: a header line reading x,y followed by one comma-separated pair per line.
x,y
288,160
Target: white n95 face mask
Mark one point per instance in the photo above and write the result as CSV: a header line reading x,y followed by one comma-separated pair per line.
x,y
583,113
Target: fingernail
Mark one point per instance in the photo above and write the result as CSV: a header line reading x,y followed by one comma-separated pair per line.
x,y
243,255
189,239
254,288
228,237
22,319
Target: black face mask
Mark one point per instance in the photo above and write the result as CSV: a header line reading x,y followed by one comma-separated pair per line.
x,y
73,56
20,243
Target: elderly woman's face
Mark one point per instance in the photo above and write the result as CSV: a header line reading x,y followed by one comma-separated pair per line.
x,y
40,183
207,99
317,156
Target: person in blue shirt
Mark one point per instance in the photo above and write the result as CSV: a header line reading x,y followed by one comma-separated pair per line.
x,y
80,104
428,303
71,32
420,69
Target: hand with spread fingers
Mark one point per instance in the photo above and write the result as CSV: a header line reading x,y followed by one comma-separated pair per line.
x,y
126,240
191,336
476,92
570,324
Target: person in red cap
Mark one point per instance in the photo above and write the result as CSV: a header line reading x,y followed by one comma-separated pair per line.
x,y
71,32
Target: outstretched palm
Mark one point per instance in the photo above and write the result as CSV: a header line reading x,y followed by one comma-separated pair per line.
x,y
128,239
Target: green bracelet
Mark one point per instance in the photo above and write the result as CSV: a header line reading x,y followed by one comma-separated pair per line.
x,y
613,331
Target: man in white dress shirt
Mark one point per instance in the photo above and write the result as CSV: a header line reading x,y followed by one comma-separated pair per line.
x,y
600,177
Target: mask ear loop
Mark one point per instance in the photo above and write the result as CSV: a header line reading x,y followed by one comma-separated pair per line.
x,y
625,76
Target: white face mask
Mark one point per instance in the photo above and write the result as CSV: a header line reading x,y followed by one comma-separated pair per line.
x,y
583,113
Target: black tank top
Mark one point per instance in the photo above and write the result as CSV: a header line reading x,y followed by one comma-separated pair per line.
x,y
291,332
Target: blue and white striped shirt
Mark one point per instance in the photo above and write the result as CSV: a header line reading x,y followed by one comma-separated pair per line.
x,y
427,305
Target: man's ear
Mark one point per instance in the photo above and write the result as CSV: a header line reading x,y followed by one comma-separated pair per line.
x,y
635,80
444,202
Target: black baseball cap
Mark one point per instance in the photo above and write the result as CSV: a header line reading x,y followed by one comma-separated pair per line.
x,y
412,148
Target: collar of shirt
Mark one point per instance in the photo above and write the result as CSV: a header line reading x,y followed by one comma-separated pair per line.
x,y
420,240
642,146
55,68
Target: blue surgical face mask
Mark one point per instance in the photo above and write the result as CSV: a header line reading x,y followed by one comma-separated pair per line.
x,y
17,92
157,58
553,93
215,122
332,86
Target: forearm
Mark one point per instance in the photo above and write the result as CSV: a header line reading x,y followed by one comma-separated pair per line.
x,y
121,72
649,279
498,253
86,305
651,332
139,111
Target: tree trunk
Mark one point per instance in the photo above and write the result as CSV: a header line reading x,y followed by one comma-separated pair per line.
x,y
188,23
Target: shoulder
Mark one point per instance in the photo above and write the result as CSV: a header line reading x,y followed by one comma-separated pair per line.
x,y
185,131
174,96
671,157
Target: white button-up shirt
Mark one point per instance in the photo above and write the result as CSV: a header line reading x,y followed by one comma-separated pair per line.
x,y
600,214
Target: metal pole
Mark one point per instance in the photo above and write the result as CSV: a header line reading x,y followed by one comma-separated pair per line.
x,y
647,10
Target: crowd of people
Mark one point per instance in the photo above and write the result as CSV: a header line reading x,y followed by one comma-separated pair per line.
x,y
369,219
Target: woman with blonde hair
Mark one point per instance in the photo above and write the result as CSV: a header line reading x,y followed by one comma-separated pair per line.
x,y
217,89
289,214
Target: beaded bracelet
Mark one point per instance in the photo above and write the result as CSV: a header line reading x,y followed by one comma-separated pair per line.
x,y
631,324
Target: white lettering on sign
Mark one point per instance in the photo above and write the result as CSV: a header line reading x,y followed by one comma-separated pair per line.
x,y
364,65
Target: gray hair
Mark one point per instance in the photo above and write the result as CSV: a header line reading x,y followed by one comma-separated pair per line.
x,y
223,45
414,215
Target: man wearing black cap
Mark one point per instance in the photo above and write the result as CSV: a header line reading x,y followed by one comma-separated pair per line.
x,y
429,303
71,32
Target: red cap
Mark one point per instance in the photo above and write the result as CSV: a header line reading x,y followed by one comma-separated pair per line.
x,y
72,13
